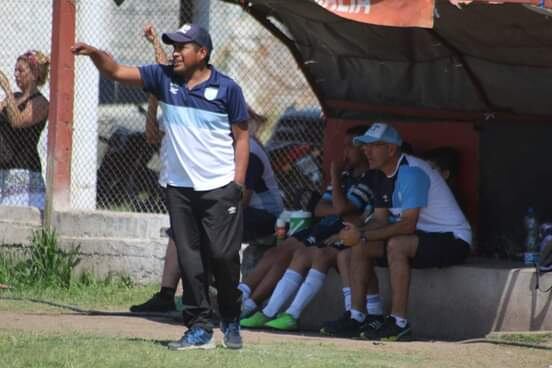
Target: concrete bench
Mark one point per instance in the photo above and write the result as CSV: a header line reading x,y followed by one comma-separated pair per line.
x,y
459,302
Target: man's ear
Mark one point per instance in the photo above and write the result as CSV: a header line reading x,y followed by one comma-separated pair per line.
x,y
203,52
393,149
446,174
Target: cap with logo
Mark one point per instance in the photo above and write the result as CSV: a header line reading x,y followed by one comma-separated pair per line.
x,y
379,132
189,33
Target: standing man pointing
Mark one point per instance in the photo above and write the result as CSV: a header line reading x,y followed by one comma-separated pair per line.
x,y
205,117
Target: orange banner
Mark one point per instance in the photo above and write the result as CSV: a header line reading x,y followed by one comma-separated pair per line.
x,y
397,13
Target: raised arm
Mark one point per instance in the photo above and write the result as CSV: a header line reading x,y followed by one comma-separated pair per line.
x,y
340,205
108,66
153,134
151,35
34,112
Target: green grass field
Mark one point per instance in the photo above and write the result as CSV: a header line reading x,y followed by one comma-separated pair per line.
x,y
110,296
18,349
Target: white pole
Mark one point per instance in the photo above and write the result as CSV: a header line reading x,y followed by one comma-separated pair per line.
x,y
92,23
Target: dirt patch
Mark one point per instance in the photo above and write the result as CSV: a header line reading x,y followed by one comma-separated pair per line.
x,y
441,354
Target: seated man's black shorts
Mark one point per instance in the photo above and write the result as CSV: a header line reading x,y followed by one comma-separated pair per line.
x,y
257,223
315,235
435,250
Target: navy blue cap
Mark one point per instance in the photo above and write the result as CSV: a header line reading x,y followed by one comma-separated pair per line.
x,y
189,33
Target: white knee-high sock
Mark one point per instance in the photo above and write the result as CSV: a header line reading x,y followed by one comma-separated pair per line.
x,y
400,321
309,288
245,289
347,298
357,315
374,306
288,284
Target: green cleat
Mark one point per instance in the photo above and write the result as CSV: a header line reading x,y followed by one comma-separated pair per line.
x,y
257,320
284,322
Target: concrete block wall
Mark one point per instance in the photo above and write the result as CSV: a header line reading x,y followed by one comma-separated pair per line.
x,y
115,242
110,242
18,223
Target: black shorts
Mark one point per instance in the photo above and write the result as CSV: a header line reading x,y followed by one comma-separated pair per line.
x,y
435,250
316,234
257,223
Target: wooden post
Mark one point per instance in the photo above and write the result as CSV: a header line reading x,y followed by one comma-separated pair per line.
x,y
60,118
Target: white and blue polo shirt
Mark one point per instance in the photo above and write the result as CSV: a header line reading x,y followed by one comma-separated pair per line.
x,y
197,122
414,184
261,181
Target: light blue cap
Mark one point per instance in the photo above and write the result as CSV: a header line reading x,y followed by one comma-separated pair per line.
x,y
379,132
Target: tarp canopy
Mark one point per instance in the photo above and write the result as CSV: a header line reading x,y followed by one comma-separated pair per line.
x,y
480,59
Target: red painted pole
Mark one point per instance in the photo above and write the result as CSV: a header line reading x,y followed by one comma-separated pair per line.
x,y
541,3
60,117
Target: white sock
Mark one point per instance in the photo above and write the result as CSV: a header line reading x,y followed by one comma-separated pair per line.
x,y
400,321
309,288
245,289
357,315
374,306
248,306
288,284
347,298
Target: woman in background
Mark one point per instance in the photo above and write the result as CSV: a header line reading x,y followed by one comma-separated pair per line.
x,y
23,117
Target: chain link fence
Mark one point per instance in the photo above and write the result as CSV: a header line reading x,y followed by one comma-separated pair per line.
x,y
113,168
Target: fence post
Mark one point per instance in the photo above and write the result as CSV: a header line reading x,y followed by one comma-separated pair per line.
x,y
60,118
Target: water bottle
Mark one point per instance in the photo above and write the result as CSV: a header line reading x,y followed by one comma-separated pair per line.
x,y
280,230
531,240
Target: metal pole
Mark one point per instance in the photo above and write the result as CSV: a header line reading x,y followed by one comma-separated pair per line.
x,y
60,117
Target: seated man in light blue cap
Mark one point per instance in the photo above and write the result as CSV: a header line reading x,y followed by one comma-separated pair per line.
x,y
416,223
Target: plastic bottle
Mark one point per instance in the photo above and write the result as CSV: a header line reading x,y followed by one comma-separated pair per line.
x,y
280,230
531,239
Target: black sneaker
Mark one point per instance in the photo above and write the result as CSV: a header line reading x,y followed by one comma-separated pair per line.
x,y
345,326
157,304
328,327
386,330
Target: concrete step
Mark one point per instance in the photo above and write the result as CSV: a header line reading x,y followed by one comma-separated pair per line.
x,y
140,259
110,224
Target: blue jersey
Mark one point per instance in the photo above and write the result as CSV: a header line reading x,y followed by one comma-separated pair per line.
x,y
197,122
357,190
261,181
415,185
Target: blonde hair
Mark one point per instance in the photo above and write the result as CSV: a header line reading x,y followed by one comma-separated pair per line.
x,y
39,63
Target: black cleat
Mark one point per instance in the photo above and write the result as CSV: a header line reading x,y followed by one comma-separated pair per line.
x,y
156,304
386,330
